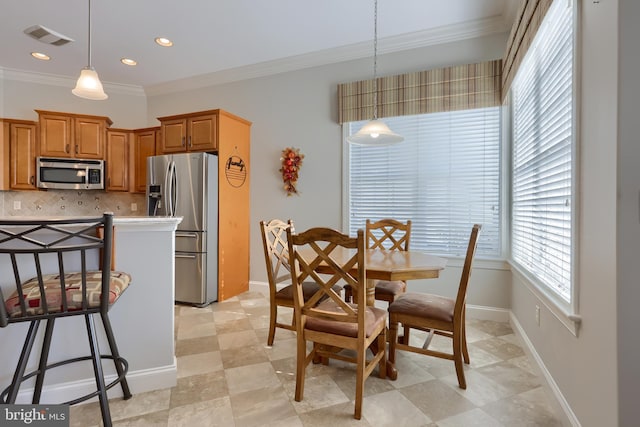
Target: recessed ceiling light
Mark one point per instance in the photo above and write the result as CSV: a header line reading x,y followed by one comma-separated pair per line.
x,y
127,61
164,41
40,56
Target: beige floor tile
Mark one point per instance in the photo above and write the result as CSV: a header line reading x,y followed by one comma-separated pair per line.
x,y
201,363
197,345
319,392
480,388
233,326
473,418
195,331
237,339
251,377
245,355
510,377
282,348
209,413
436,399
261,406
499,348
335,416
154,419
198,388
140,404
392,409
530,408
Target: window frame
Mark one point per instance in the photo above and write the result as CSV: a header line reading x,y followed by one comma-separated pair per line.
x,y
566,312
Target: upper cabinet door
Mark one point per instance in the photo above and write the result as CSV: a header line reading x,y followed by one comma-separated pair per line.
x,y
202,132
23,156
89,138
174,136
55,135
145,146
117,161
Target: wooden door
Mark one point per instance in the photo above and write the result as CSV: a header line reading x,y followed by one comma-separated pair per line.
x,y
117,161
174,136
89,138
202,132
55,135
23,152
145,146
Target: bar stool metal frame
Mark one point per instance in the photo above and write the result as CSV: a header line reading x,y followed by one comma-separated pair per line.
x,y
68,241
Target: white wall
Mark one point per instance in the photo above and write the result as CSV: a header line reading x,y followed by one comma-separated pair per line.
x,y
299,109
628,245
127,107
584,367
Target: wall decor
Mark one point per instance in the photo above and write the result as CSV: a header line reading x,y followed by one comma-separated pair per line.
x,y
291,161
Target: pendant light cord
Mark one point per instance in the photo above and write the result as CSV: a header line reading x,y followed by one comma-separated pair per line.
x,y
89,50
375,60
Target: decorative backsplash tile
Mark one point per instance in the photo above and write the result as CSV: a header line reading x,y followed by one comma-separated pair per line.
x,y
70,203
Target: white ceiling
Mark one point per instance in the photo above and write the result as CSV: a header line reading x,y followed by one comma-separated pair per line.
x,y
230,36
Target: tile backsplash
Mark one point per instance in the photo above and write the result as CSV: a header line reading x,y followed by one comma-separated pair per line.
x,y
70,203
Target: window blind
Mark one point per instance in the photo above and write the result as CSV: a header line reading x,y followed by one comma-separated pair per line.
x,y
444,177
542,91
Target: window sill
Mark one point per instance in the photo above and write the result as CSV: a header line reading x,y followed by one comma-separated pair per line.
x,y
479,263
562,311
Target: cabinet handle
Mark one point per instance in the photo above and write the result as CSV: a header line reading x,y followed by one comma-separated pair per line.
x,y
66,148
190,145
183,141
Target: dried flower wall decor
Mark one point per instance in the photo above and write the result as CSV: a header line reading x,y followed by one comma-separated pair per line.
x,y
291,161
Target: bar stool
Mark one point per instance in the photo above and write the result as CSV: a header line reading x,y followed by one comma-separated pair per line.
x,y
60,255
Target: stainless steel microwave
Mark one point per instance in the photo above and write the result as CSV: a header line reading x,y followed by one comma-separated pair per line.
x,y
70,174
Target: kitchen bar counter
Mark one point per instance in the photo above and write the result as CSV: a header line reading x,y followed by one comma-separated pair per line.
x,y
142,320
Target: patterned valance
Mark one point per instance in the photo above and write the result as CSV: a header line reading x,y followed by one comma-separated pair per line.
x,y
460,87
528,20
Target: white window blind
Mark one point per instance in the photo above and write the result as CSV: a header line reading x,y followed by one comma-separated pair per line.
x,y
542,93
444,177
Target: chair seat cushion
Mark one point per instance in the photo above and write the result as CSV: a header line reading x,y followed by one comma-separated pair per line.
x,y
424,305
73,290
394,288
308,290
373,318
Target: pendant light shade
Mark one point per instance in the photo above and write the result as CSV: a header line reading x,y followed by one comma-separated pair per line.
x,y
89,85
375,132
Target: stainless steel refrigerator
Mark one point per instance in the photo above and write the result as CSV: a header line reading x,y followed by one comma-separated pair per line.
x,y
186,185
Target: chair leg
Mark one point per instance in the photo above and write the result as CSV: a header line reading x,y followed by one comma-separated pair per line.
x,y
126,393
44,356
405,334
348,294
360,368
22,362
457,359
382,344
273,317
465,350
301,366
97,370
393,338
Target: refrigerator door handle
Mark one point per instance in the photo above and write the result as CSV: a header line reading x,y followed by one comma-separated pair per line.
x,y
190,256
174,189
167,202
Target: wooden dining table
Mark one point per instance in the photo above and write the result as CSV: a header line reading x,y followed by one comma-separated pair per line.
x,y
381,264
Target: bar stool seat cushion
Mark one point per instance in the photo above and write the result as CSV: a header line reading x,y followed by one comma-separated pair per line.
x,y
73,289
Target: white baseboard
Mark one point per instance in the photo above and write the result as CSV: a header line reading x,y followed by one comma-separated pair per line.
x,y
139,381
481,312
560,403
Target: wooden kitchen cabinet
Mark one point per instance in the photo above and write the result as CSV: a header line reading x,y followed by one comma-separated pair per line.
x,y
144,146
19,149
72,135
188,133
117,173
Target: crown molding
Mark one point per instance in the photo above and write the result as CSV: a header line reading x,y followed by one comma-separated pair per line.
x,y
418,39
62,81
415,40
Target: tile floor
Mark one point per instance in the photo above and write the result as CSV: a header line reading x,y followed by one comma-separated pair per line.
x,y
228,376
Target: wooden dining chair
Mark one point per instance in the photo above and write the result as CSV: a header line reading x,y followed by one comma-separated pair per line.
x,y
332,323
276,253
392,235
436,314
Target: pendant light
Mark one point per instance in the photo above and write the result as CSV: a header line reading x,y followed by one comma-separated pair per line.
x,y
375,132
88,85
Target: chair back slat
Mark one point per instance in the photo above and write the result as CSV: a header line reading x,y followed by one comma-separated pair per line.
x,y
389,234
276,251
466,269
314,248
